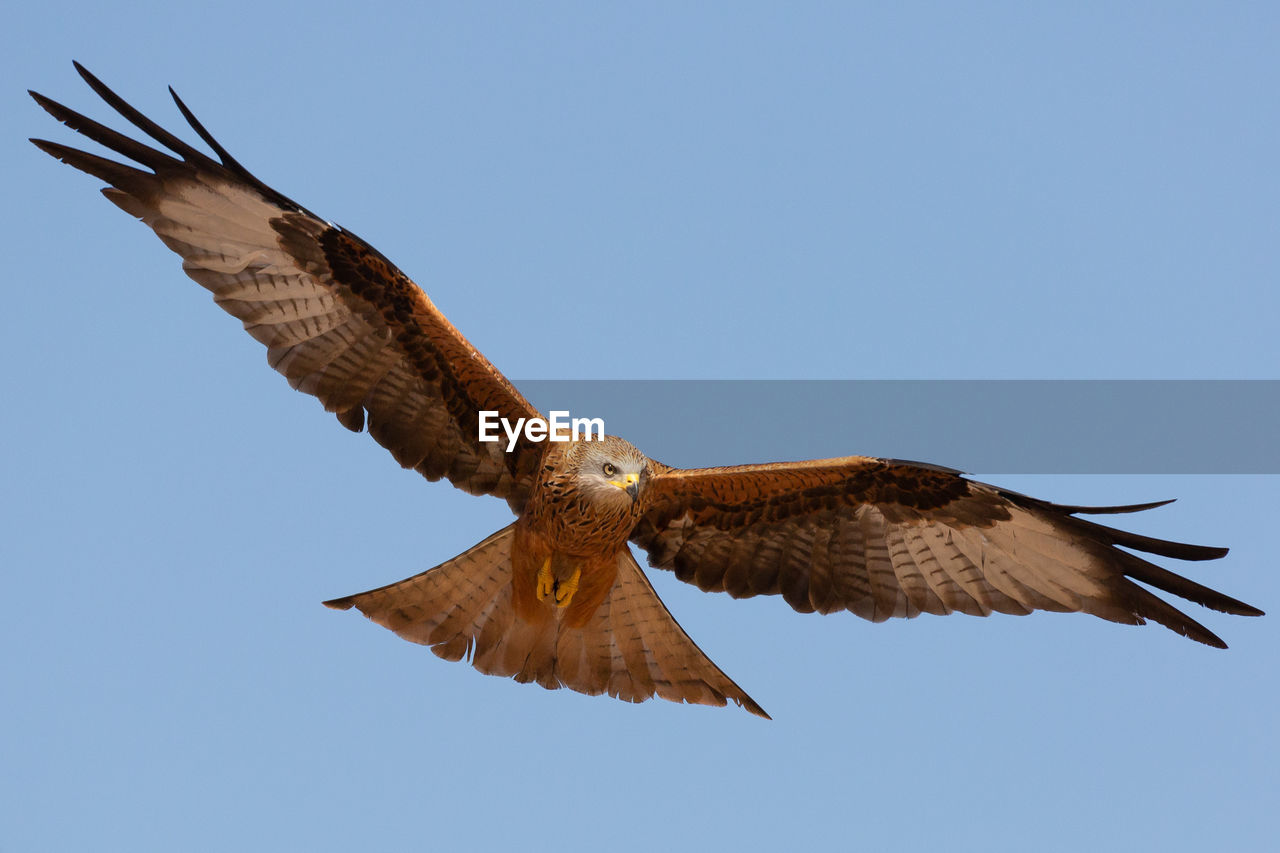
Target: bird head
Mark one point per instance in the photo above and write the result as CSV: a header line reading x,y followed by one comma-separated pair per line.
x,y
610,471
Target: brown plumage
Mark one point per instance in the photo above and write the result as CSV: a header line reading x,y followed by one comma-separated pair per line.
x,y
556,597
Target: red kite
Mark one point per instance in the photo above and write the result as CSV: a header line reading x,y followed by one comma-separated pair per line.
x,y
556,597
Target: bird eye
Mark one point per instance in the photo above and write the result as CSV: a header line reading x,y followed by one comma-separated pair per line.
x,y
610,469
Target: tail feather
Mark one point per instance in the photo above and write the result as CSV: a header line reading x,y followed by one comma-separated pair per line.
x,y
631,648
449,607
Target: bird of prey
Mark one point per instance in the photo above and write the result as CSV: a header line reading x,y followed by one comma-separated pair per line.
x,y
557,597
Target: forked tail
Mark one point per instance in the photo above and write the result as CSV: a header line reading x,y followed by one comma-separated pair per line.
x,y
631,648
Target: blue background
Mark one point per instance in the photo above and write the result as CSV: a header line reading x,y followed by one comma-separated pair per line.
x,y
736,191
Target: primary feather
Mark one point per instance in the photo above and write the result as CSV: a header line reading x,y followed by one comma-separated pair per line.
x,y
556,598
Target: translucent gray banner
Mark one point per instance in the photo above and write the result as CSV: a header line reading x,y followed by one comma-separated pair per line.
x,y
978,426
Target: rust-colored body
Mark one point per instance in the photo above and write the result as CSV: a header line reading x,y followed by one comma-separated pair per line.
x,y
576,538
556,597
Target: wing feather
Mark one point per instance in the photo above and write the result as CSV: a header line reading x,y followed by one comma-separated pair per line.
x,y
884,538
338,319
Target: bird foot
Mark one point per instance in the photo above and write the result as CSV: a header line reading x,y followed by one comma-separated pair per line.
x,y
561,591
566,588
546,581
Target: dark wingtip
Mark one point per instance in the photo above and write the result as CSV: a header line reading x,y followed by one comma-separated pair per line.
x,y
53,149
345,603
47,104
59,152
1115,510
95,84
227,160
85,73
153,159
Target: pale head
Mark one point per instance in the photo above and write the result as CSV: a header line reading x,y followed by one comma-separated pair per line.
x,y
608,471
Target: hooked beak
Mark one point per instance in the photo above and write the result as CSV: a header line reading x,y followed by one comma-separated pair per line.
x,y
629,484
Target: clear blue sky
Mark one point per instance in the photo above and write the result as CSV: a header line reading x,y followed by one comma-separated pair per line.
x,y
761,191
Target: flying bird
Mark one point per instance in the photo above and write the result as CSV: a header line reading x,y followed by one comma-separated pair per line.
x,y
556,597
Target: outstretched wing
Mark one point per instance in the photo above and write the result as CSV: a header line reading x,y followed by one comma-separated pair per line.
x,y
338,319
631,648
884,538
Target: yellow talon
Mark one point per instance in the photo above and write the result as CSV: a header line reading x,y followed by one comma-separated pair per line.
x,y
546,581
565,590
